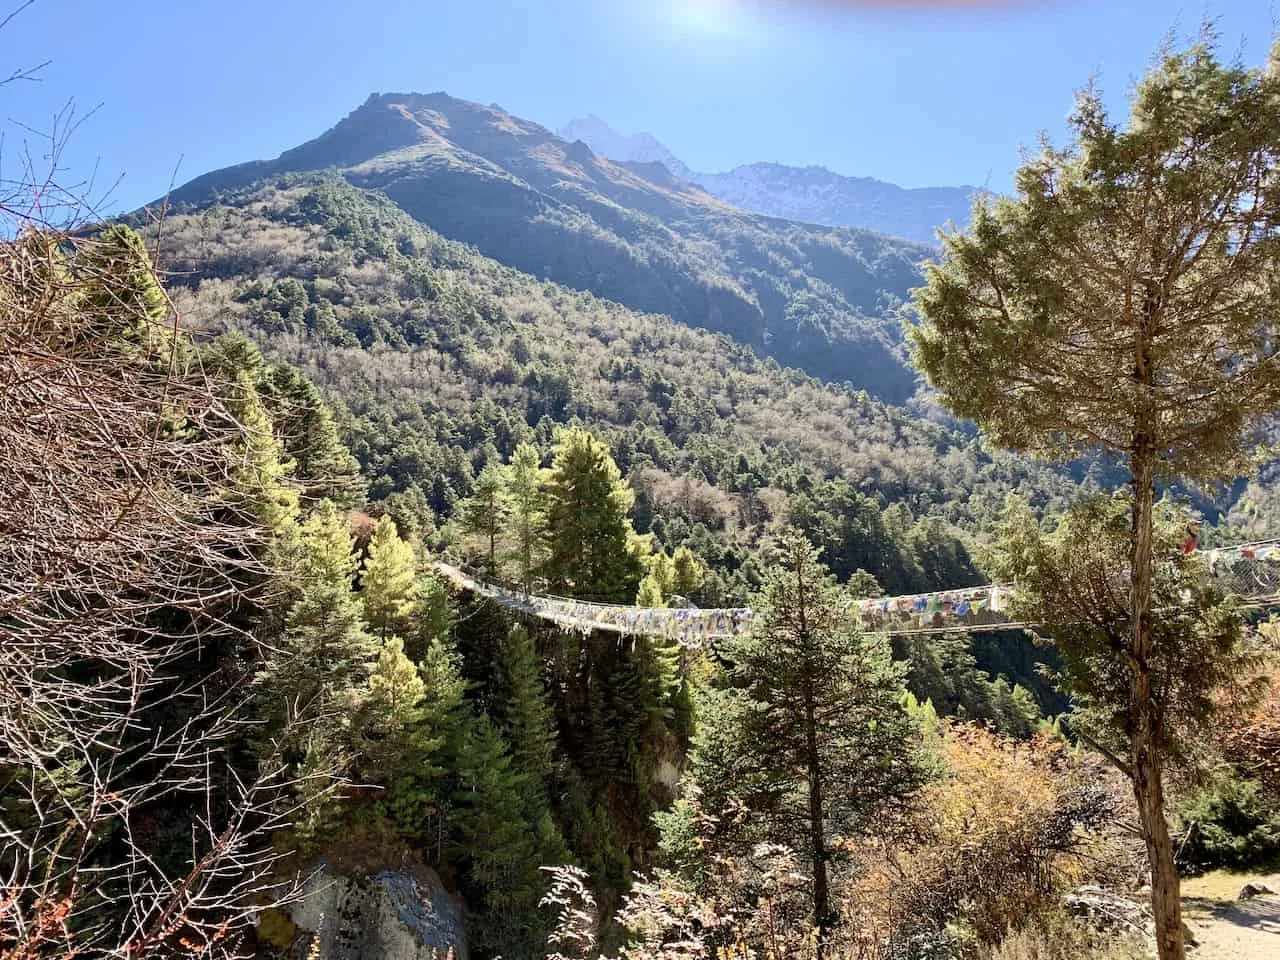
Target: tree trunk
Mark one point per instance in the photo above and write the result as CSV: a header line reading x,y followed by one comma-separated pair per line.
x,y
818,844
1145,737
822,918
1148,790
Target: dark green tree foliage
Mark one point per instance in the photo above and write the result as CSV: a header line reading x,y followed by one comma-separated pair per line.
x,y
1229,822
1122,302
504,834
323,466
944,671
1072,582
433,616
486,512
811,734
590,550
522,710
905,555
479,634
446,711
134,545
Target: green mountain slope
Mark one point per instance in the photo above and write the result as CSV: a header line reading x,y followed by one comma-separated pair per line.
x,y
444,359
819,298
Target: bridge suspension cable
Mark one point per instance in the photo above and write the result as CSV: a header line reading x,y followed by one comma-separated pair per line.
x,y
1251,571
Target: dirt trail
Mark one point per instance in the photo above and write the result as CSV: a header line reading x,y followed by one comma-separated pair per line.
x,y
1230,929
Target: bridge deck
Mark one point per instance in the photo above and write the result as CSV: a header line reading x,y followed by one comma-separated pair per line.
x,y
1251,571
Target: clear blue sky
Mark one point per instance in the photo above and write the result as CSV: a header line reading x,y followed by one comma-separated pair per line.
x,y
915,93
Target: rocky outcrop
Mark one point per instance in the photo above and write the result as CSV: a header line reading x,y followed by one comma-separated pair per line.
x,y
393,915
1255,888
1118,914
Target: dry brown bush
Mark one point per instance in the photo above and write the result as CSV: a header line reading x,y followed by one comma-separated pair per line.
x,y
994,842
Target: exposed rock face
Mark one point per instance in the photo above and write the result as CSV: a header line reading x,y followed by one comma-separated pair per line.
x,y
393,915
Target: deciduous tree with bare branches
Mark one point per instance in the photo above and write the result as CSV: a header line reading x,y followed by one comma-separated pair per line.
x,y
131,824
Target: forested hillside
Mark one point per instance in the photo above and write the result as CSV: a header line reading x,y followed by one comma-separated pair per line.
x,y
441,361
819,298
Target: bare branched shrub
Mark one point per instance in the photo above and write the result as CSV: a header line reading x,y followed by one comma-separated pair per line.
x,y
570,900
756,906
125,563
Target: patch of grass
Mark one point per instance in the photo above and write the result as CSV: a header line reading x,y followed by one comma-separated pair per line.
x,y
1224,885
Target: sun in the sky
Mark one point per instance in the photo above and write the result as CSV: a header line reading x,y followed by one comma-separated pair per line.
x,y
707,17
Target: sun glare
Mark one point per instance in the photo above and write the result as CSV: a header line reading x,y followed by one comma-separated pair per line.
x,y
709,18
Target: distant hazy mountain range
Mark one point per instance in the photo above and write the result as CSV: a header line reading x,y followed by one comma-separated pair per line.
x,y
807,194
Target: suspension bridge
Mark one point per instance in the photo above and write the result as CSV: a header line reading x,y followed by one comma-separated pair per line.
x,y
1250,571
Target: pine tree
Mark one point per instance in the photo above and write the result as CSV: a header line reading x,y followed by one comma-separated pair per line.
x,y
321,467
400,747
324,467
812,735
689,573
525,481
396,691
1120,303
504,839
325,651
486,512
388,582
590,554
262,482
522,708
448,715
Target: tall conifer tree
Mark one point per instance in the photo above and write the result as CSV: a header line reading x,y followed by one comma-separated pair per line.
x,y
812,734
389,581
486,512
325,651
505,835
402,738
1125,301
522,707
591,552
525,480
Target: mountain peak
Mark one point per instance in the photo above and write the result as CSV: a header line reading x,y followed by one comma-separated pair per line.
x,y
624,148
